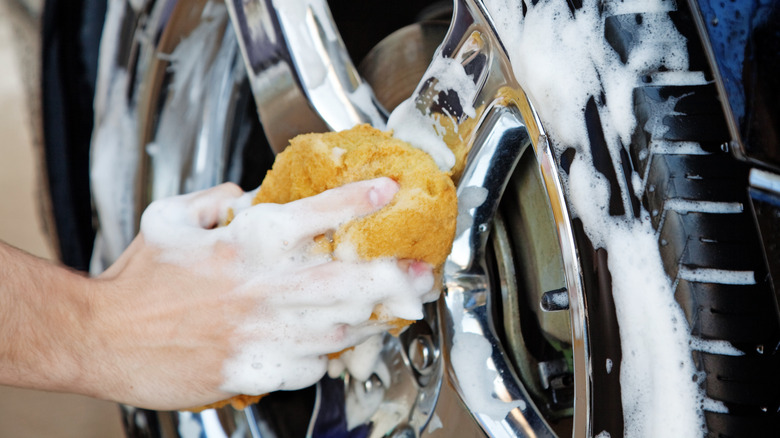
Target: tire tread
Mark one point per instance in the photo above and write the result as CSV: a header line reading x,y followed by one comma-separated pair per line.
x,y
744,315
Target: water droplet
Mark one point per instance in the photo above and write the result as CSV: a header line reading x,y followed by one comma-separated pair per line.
x,y
760,349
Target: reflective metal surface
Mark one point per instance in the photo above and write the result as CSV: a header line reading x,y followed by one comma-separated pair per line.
x,y
467,288
185,109
763,180
302,78
393,77
530,276
765,203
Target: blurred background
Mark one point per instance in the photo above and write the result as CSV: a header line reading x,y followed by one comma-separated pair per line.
x,y
26,413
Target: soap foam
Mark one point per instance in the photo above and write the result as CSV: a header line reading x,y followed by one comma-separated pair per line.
x,y
720,276
423,132
470,354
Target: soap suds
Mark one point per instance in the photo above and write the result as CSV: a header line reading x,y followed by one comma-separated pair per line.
x,y
422,131
172,149
470,353
425,131
690,206
711,346
114,155
720,276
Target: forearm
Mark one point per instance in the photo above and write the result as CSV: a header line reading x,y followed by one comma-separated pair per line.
x,y
44,311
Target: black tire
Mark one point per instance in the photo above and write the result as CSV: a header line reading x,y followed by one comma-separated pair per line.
x,y
745,315
70,38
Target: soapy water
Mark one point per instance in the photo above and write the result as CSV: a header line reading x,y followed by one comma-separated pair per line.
x,y
309,304
416,128
424,132
114,148
114,159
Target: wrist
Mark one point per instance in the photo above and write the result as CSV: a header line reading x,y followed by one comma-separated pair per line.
x,y
86,359
99,352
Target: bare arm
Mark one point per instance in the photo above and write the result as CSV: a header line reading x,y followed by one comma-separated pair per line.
x,y
45,311
190,315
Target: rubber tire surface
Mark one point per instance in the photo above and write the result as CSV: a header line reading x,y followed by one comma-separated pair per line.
x,y
71,35
745,315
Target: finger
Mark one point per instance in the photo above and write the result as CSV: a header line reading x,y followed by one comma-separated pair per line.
x,y
350,291
415,268
287,227
198,209
209,207
174,219
328,210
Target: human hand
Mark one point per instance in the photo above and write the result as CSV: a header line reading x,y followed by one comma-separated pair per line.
x,y
194,314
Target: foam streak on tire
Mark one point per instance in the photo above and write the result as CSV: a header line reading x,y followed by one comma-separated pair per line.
x,y
709,246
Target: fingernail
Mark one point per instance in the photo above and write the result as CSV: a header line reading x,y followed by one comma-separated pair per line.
x,y
414,268
382,192
417,268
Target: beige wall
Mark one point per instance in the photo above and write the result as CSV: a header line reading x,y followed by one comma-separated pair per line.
x,y
26,413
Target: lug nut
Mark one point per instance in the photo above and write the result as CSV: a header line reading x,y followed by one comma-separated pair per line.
x,y
421,354
555,300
